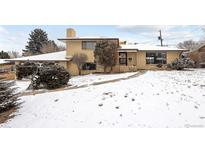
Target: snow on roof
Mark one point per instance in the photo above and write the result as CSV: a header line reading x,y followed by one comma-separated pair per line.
x,y
145,47
2,61
54,56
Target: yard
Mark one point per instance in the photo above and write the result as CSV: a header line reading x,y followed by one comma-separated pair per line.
x,y
154,99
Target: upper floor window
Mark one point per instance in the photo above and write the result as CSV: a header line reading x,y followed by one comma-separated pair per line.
x,y
156,57
88,45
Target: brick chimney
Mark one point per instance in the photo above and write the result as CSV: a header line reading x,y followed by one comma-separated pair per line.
x,y
71,32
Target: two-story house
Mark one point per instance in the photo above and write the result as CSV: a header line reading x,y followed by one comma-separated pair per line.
x,y
129,57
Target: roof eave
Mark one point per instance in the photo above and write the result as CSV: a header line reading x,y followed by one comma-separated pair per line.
x,y
154,50
77,39
23,60
164,50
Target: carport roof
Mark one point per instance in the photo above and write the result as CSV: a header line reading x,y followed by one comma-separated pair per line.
x,y
54,56
145,47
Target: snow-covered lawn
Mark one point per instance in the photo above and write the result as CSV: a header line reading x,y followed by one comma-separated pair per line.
x,y
22,85
154,99
95,78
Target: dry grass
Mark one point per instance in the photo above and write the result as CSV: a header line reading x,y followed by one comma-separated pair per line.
x,y
8,76
4,116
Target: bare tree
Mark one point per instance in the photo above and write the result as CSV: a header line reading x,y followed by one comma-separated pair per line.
x,y
61,48
14,54
51,46
79,59
189,44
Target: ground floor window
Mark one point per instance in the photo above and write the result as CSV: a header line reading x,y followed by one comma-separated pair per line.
x,y
89,66
122,58
156,58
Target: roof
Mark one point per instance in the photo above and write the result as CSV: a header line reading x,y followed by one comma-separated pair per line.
x,y
145,47
197,49
87,38
2,61
54,56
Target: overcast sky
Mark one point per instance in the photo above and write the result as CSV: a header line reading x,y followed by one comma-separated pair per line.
x,y
15,37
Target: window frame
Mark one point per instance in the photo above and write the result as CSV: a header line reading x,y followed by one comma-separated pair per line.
x,y
154,57
124,58
87,67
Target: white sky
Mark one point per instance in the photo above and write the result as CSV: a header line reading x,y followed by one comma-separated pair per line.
x,y
15,37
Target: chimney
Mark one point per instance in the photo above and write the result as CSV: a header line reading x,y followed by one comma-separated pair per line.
x,y
71,32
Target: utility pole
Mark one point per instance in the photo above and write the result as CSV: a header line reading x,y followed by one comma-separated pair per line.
x,y
160,37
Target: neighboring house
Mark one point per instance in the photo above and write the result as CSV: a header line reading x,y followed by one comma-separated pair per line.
x,y
198,55
5,65
129,57
3,62
6,69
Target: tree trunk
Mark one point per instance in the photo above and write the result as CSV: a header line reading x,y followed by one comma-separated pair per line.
x,y
105,67
79,70
111,69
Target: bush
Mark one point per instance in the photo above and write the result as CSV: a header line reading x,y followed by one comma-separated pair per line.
x,y
50,76
159,65
25,70
189,63
180,64
9,98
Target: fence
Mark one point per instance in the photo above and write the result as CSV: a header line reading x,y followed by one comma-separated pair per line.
x,y
7,73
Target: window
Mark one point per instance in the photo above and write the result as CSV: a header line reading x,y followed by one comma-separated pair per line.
x,y
88,44
89,66
156,57
123,58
